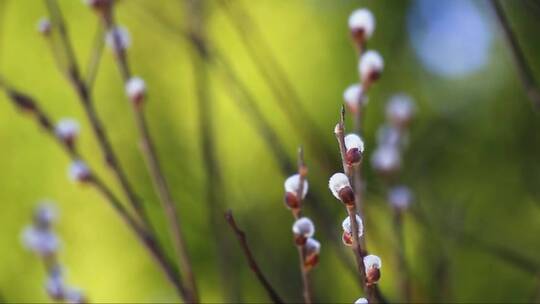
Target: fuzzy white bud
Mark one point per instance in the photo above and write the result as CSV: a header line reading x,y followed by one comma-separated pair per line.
x,y
135,89
337,182
354,97
400,197
41,241
44,26
372,261
118,39
292,184
370,66
45,214
361,301
388,135
78,171
400,109
347,227
303,227
353,141
55,286
67,129
74,296
386,159
362,20
312,246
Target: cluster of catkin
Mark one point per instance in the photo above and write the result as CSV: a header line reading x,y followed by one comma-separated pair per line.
x,y
40,238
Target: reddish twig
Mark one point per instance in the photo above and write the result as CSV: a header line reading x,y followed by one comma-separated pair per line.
x,y
241,236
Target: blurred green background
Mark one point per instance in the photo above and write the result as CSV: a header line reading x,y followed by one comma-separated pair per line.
x,y
473,159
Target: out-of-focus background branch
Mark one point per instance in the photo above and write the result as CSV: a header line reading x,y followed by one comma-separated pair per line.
x,y
250,83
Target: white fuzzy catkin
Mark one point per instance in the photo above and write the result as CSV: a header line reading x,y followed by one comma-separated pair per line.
x,y
386,158
346,225
292,183
44,26
135,88
304,227
370,62
361,301
67,128
120,33
400,108
312,246
40,241
354,141
354,96
45,214
362,20
400,197
78,171
372,261
337,182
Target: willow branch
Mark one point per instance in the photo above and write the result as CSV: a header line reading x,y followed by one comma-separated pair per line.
x,y
85,97
523,68
241,236
95,57
154,167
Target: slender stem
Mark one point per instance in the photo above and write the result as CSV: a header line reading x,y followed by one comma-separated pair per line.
x,y
524,71
372,292
241,236
95,57
404,284
160,184
304,271
306,286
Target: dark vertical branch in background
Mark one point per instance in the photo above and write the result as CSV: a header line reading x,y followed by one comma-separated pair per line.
x,y
251,260
214,190
524,71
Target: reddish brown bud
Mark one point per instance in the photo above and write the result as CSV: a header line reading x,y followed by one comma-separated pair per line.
x,y
311,261
347,195
353,156
359,37
347,238
373,275
291,200
300,240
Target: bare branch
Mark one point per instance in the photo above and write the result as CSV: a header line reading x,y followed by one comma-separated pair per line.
x,y
241,236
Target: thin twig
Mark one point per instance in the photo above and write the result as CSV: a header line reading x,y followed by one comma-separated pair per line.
x,y
404,284
524,71
160,183
95,57
304,271
241,236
